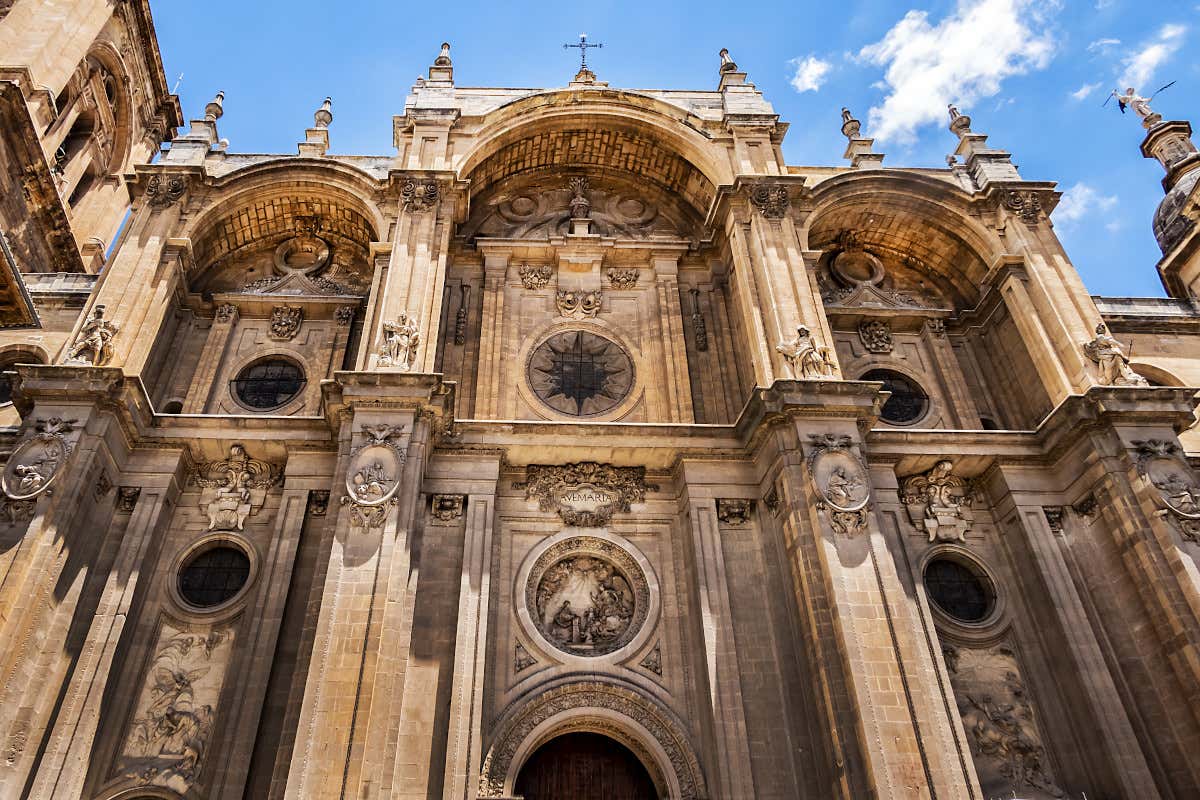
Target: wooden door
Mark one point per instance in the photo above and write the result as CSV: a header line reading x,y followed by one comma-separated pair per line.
x,y
584,766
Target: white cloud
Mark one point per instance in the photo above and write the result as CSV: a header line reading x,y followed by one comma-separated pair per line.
x,y
1140,65
1082,92
810,73
961,59
1102,45
1080,202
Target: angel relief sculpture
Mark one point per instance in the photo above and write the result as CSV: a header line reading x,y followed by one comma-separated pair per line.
x,y
372,482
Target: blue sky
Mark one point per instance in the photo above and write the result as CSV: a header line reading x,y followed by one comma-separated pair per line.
x,y
1031,73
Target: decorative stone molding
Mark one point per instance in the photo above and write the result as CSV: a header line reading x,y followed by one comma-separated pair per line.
x,y
38,461
841,481
579,702
226,312
127,497
318,502
936,327
699,327
93,344
1108,353
398,345
771,200
578,304
522,660
623,278
771,500
344,316
1178,492
373,475
653,661
1024,203
285,322
417,195
1054,518
939,503
460,317
535,277
734,511
234,488
807,359
1000,722
585,494
876,335
446,508
163,191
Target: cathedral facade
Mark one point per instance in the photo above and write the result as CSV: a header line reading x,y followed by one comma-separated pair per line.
x,y
580,447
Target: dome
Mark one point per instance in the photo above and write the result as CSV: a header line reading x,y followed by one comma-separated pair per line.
x,y
1170,225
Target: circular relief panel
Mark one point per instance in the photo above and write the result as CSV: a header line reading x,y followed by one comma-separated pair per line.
x,y
587,596
958,590
908,402
580,373
214,576
302,254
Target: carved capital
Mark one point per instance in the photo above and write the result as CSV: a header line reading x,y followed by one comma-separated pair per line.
x,y
418,195
772,200
165,190
734,512
447,507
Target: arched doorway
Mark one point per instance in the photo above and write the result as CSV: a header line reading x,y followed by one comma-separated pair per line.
x,y
584,766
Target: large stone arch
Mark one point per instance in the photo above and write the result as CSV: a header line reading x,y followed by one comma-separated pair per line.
x,y
931,221
650,730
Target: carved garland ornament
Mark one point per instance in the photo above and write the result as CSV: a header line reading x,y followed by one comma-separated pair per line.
x,y
285,322
585,494
841,481
1163,465
586,696
34,466
234,488
373,475
535,277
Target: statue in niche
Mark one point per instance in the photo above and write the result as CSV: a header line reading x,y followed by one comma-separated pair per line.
x,y
808,360
399,345
1106,351
93,345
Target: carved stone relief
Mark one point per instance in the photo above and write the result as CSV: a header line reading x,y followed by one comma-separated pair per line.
x,y
623,278
1163,465
876,335
522,660
460,316
734,511
417,196
127,497
93,343
939,503
225,312
398,345
38,461
1025,204
771,200
174,717
447,507
698,324
344,316
535,277
807,359
234,488
162,191
585,494
841,481
1108,353
998,718
547,212
17,511
373,474
653,661
285,322
587,596
578,304
318,502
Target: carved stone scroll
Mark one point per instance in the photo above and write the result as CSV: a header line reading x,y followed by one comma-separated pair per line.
x,y
772,201
585,494
578,304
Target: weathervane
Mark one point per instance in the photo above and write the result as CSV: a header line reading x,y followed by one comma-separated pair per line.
x,y
583,46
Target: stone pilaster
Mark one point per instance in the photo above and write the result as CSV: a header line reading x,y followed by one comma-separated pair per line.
x,y
670,318
215,344
491,340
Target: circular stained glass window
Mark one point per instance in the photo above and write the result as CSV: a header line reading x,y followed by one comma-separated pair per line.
x,y
214,576
580,373
268,383
961,592
908,402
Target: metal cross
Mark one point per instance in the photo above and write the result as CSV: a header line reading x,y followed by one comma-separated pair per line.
x,y
583,46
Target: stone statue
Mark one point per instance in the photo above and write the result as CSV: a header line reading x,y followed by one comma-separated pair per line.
x,y
93,345
808,360
1139,104
1106,351
843,489
399,345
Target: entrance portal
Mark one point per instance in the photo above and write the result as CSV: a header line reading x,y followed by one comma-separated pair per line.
x,y
584,766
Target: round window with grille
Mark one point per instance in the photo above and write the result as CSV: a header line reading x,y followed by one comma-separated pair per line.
x,y
580,373
908,402
214,576
268,383
960,591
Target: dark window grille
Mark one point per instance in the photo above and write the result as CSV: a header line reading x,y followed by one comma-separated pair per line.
x,y
908,402
269,383
958,590
214,576
581,373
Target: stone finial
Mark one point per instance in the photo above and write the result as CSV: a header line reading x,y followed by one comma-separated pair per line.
x,y
443,59
960,123
858,148
215,108
850,126
441,71
323,115
727,63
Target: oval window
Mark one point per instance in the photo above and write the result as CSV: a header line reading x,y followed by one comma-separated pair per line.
x,y
214,576
268,383
908,402
958,590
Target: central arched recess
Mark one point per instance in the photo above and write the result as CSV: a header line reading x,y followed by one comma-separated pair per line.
x,y
584,766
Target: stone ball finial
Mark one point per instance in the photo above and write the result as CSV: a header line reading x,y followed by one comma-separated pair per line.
x,y
727,64
960,123
443,59
215,108
323,115
850,126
